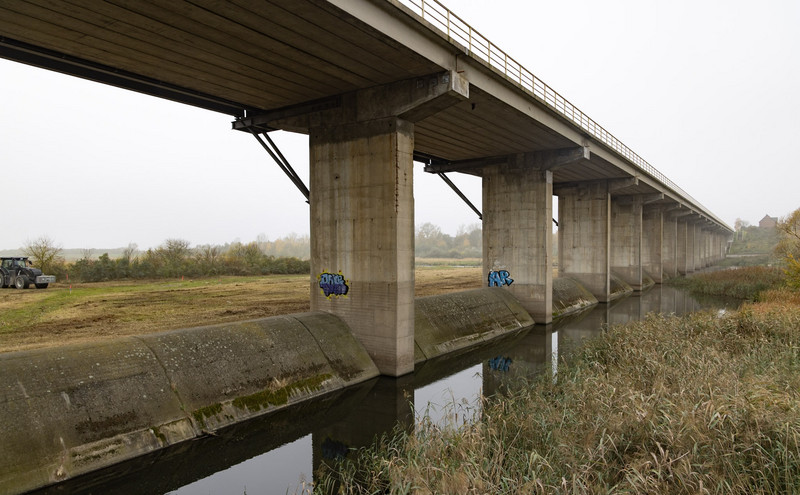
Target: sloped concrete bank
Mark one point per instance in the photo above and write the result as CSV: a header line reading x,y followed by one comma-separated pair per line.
x,y
460,320
70,410
569,296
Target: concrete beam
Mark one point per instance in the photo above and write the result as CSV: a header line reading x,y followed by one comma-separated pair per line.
x,y
556,159
466,166
648,199
618,186
411,99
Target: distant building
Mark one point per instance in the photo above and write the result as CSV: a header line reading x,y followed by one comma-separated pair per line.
x,y
768,222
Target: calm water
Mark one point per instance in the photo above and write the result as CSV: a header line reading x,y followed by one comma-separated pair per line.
x,y
279,453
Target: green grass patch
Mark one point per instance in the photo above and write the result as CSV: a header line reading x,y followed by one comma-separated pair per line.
x,y
448,262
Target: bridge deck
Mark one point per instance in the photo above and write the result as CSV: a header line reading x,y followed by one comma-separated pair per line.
x,y
242,57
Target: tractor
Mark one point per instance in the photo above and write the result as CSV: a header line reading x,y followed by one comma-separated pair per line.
x,y
17,271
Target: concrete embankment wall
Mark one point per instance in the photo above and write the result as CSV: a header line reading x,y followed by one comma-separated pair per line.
x,y
69,410
569,296
451,322
73,409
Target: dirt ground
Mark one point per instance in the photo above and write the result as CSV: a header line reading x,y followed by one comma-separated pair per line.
x,y
64,314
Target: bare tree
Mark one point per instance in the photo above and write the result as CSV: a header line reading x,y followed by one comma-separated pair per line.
x,y
43,251
129,253
789,229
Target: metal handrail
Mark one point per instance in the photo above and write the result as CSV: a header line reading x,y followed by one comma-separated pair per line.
x,y
479,47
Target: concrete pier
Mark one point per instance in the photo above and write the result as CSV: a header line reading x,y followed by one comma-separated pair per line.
x,y
362,210
626,239
517,233
652,242
682,246
362,233
670,245
692,244
584,236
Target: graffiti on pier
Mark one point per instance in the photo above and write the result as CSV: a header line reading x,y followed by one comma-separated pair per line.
x,y
500,363
500,278
333,284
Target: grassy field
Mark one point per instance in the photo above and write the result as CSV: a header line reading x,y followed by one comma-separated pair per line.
x,y
59,315
696,404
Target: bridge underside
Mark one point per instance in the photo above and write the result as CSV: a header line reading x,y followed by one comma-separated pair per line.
x,y
255,58
374,88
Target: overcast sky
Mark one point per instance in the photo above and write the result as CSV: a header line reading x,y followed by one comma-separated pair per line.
x,y
707,92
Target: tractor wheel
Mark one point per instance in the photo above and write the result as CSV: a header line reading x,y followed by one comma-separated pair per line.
x,y
3,283
41,286
22,282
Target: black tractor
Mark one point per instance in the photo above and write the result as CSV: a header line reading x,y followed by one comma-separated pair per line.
x,y
17,271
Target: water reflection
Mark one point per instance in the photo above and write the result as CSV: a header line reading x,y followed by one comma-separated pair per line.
x,y
281,452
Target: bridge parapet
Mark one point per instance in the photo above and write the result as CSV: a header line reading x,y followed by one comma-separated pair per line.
x,y
459,33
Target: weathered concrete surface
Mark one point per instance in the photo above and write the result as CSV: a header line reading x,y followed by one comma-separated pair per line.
x,y
569,296
73,409
517,226
362,210
584,236
362,228
670,246
626,239
653,242
459,320
619,287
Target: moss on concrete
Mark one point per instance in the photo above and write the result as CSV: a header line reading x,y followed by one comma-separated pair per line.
x,y
265,398
201,414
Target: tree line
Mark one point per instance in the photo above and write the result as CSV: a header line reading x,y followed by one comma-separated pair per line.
x,y
177,258
173,258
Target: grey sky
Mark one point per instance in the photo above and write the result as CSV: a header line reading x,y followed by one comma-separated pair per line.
x,y
707,92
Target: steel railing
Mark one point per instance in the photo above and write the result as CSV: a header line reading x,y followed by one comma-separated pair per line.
x,y
479,47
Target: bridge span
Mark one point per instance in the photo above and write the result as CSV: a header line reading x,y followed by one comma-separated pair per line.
x,y
376,84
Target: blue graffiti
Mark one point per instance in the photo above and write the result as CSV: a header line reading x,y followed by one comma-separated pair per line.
x,y
499,278
500,363
333,284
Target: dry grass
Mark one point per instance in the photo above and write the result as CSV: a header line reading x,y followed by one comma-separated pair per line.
x,y
696,404
87,312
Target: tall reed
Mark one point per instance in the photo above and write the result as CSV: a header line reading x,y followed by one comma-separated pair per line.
x,y
695,404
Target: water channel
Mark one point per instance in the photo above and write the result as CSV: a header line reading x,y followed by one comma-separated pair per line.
x,y
278,453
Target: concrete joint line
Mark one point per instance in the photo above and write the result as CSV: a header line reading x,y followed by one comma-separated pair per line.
x,y
172,386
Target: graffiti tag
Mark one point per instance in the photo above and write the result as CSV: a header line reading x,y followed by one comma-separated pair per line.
x,y
333,284
500,363
499,278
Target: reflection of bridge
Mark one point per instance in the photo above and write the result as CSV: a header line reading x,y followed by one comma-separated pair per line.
x,y
375,83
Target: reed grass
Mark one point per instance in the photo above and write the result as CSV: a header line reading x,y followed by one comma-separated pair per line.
x,y
696,404
742,283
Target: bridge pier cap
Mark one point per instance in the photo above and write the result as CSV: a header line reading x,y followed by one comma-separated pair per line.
x,y
362,205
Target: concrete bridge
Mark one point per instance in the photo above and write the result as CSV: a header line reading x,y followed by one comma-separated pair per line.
x,y
376,84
